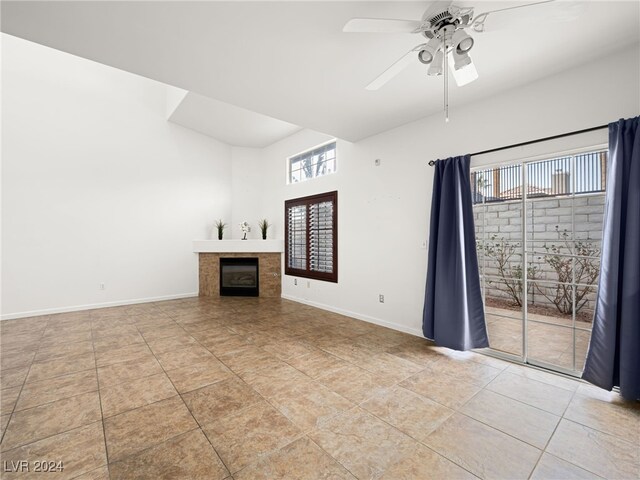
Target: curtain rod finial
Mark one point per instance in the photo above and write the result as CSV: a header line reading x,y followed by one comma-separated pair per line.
x,y
432,163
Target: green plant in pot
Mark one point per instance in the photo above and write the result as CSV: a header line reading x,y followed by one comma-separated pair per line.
x,y
264,226
220,226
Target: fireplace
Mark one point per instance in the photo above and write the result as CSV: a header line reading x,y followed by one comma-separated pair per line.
x,y
239,277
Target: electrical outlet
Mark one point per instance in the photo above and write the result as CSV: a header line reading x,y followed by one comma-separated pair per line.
x,y
381,298
295,281
377,162
102,286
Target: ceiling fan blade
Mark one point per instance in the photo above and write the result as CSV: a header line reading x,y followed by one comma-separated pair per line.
x,y
381,25
479,20
559,11
394,69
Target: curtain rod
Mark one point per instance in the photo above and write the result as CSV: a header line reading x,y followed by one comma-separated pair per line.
x,y
522,144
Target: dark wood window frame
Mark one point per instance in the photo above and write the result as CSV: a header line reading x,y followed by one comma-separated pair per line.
x,y
307,272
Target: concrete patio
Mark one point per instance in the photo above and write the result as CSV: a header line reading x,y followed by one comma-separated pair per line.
x,y
550,342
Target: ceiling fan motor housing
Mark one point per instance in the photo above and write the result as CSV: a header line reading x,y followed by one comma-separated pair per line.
x,y
440,19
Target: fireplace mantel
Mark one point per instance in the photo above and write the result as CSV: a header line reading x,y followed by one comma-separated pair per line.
x,y
238,246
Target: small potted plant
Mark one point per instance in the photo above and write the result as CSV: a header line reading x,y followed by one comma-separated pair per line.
x,y
244,226
264,225
220,225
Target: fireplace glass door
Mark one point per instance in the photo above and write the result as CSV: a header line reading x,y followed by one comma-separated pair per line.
x,y
239,277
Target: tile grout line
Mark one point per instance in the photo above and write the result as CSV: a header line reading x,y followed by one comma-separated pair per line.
x,y
331,456
104,429
199,427
568,420
523,402
48,403
507,433
420,442
572,464
358,405
60,399
555,429
238,377
6,428
304,434
52,435
147,404
455,410
458,410
59,376
542,451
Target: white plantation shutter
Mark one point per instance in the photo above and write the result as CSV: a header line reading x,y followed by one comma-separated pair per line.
x,y
297,237
311,237
321,237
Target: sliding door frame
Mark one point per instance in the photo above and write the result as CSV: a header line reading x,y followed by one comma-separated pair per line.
x,y
524,358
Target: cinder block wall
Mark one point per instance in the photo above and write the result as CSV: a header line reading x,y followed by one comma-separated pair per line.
x,y
581,217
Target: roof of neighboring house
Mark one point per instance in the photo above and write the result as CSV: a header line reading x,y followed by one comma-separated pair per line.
x,y
532,190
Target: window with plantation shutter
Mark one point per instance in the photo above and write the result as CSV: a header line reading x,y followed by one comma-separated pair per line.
x,y
311,237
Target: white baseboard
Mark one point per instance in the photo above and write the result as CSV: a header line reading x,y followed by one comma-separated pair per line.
x,y
117,303
357,316
322,306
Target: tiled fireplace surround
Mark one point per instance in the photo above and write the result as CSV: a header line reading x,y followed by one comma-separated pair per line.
x,y
269,266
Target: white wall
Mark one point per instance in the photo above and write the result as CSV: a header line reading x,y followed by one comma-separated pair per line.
x,y
97,187
249,193
384,211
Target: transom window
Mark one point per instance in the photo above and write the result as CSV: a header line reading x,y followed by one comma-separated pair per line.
x,y
311,237
313,163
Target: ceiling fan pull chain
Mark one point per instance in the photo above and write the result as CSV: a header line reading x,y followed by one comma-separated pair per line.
x,y
446,77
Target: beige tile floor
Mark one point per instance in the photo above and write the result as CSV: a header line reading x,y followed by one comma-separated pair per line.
x,y
269,389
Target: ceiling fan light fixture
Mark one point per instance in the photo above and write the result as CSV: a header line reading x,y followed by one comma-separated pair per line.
x,y
425,57
465,45
427,54
462,41
436,64
460,60
465,74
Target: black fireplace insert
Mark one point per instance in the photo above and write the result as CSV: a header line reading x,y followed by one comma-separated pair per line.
x,y
239,277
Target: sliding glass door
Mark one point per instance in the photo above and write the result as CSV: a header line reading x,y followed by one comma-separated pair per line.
x,y
538,238
499,247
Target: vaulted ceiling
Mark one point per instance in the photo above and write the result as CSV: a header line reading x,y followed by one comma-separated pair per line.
x,y
290,61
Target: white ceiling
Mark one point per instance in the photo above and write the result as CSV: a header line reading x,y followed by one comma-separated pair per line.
x,y
228,123
292,62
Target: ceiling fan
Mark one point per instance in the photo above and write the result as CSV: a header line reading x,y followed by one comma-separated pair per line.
x,y
445,27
